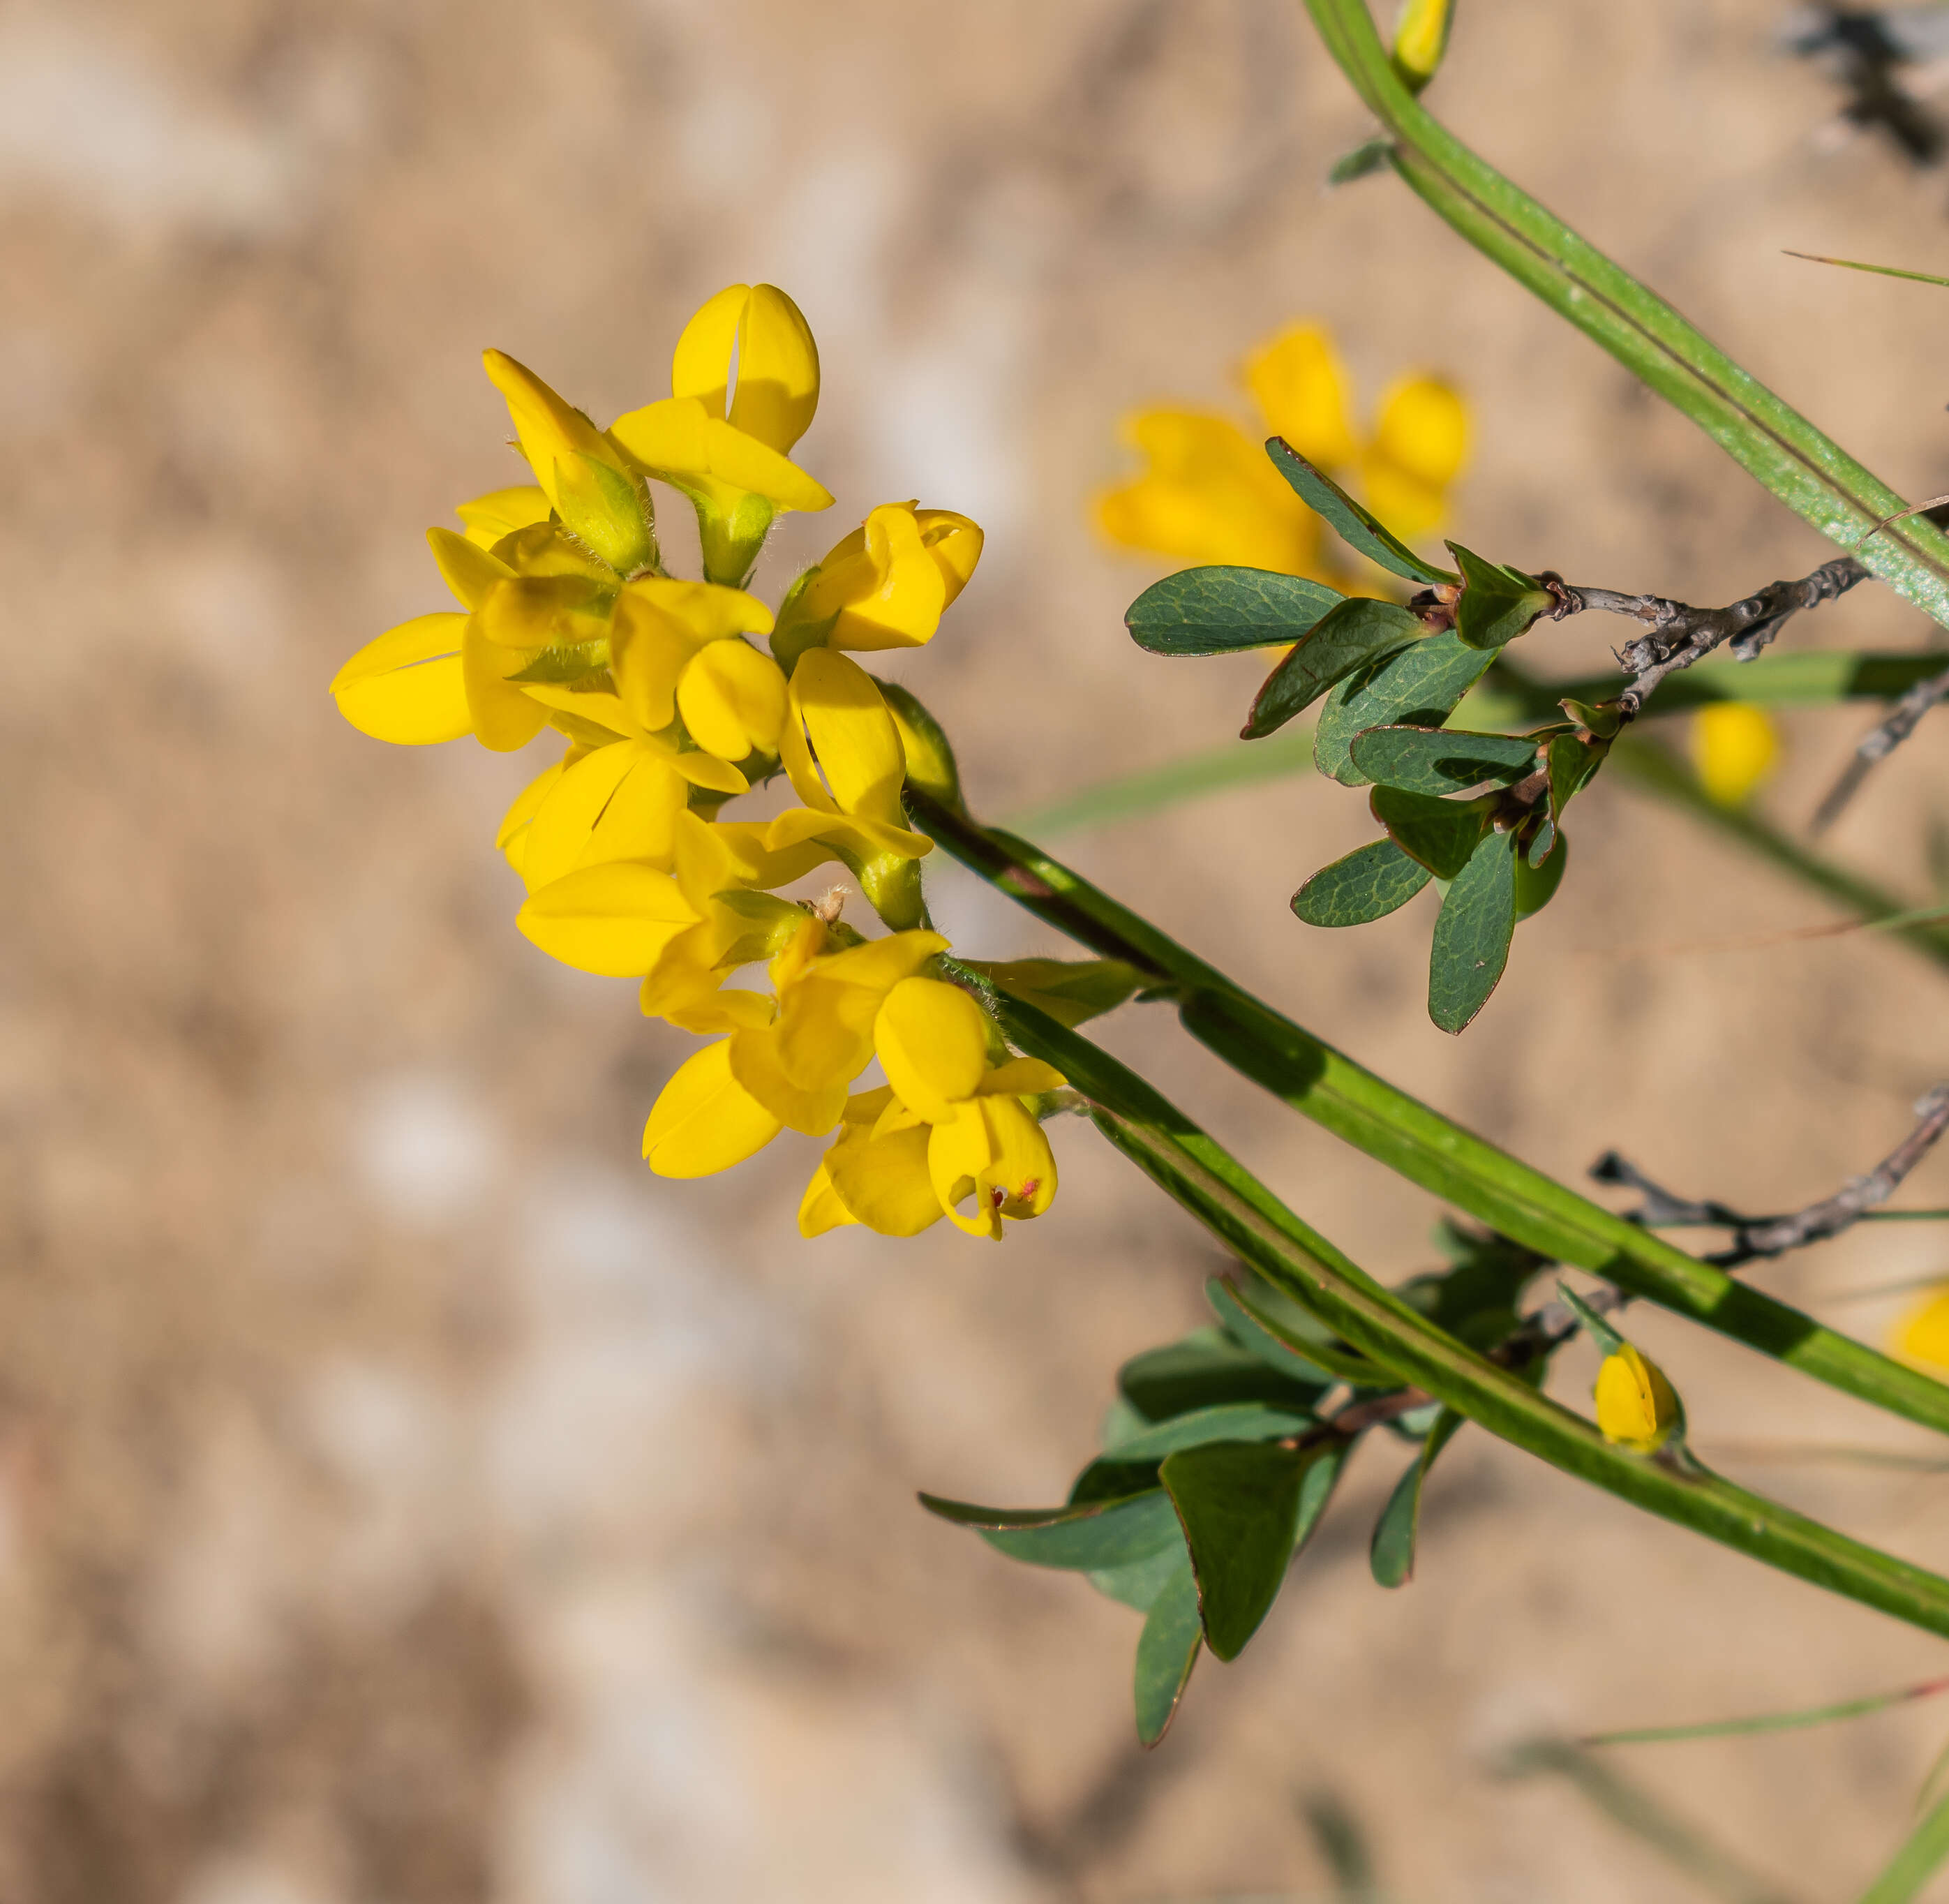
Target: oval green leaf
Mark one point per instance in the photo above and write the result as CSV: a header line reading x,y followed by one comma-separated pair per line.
x,y
1167,1650
1359,528
1090,1535
1239,1505
1472,934
1536,885
1360,630
1221,609
1439,834
1497,603
1391,1554
1441,760
1370,882
1206,1370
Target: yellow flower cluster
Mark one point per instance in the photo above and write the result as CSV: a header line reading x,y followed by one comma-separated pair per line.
x,y
569,621
1208,492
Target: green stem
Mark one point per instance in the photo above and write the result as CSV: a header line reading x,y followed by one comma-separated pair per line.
x,y
1808,471
1419,1143
1208,1181
1916,1862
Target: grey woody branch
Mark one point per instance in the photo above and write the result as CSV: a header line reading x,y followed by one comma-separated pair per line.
x,y
1756,1237
1879,743
1676,634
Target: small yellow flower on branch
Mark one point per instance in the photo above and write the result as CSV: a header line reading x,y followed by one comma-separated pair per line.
x,y
1636,1405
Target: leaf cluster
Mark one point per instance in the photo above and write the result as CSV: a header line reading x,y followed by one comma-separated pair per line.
x,y
1222,1450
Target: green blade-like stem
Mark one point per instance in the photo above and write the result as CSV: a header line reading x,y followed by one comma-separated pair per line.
x,y
1777,445
1202,1177
1418,1143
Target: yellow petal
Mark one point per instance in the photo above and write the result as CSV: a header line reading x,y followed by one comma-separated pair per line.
x,y
512,836
825,1020
732,699
883,1182
1735,748
466,568
798,828
852,733
756,866
701,366
994,1153
1636,1405
1209,495
732,1008
932,1041
615,919
777,370
678,441
548,548
1923,1334
1423,430
618,802
756,1064
500,512
504,717
820,1210
705,1121
550,429
1304,394
1022,1077
407,686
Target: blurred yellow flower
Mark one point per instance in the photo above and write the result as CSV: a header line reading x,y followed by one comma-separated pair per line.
x,y
1923,1334
1636,1404
1735,748
1208,492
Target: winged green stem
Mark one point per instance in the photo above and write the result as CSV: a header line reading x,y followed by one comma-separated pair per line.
x,y
1205,1180
1418,1143
1777,445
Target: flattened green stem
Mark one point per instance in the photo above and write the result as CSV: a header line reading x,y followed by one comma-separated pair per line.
x,y
1199,1174
1418,1143
1770,439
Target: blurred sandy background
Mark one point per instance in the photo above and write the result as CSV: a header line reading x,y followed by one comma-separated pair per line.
x,y
406,1500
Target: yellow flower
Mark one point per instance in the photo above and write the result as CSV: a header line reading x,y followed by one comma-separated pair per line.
x,y
589,482
1421,39
676,651
1735,747
407,687
885,585
724,449
881,1182
793,1070
1636,1404
1209,494
842,750
1923,1334
501,512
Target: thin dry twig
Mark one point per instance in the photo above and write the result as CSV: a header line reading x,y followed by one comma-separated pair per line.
x,y
1680,634
1753,1237
1877,744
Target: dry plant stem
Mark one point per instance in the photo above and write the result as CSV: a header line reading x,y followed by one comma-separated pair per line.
x,y
1680,634
1877,744
1754,1238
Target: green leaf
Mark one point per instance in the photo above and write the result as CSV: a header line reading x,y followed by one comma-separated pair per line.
x,y
1542,844
1359,528
1601,1332
1603,719
1206,1370
1391,1552
1420,687
1244,1329
1312,1344
1070,991
1440,834
1360,630
1088,1536
1220,609
1571,764
1138,1583
1370,882
1851,264
1167,1651
1317,1486
1239,1504
1726,1728
1916,1862
1439,760
1370,156
1472,933
1497,603
1536,885
1229,1421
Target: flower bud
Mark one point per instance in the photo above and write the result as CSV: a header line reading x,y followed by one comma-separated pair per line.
x,y
1636,1405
